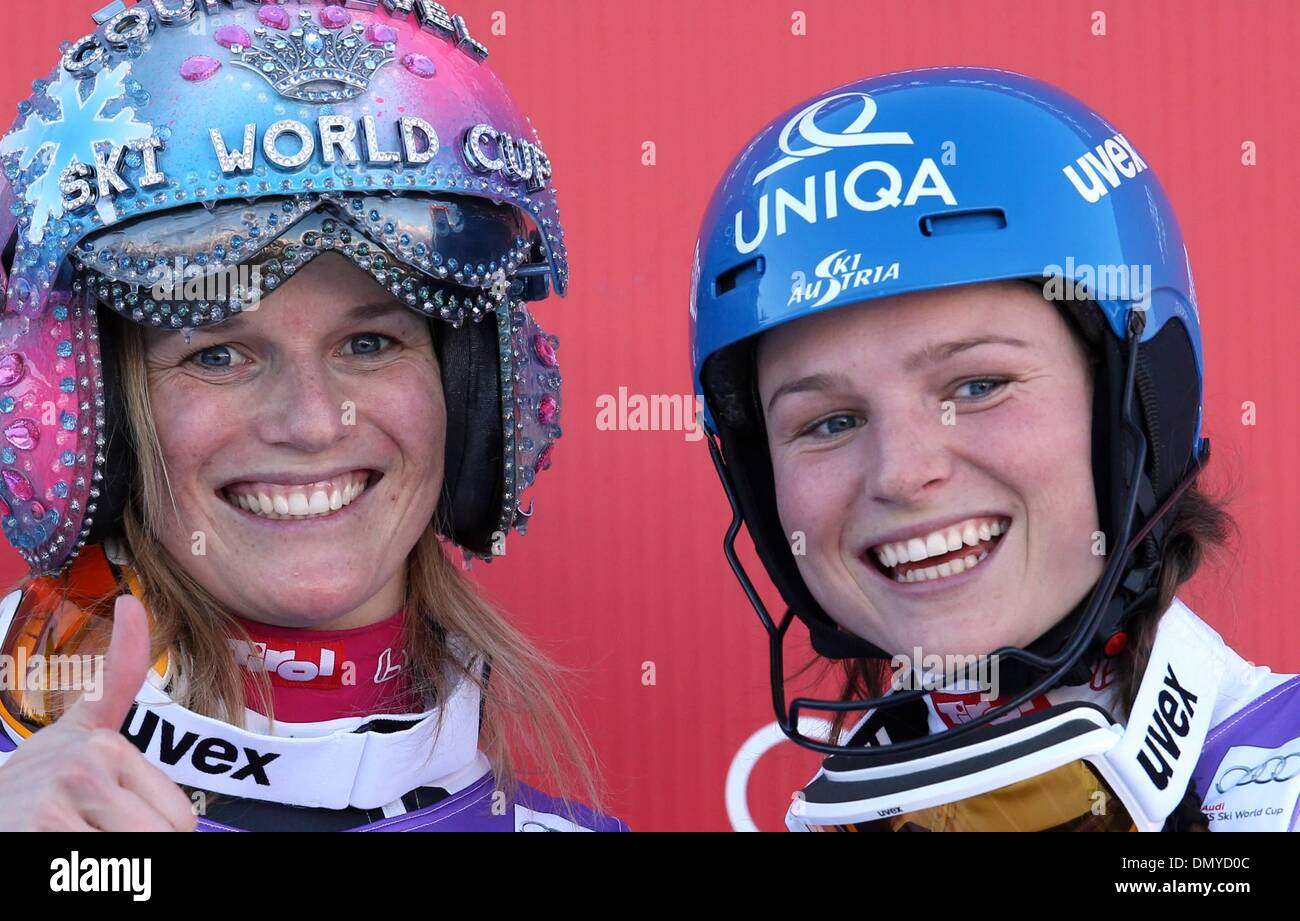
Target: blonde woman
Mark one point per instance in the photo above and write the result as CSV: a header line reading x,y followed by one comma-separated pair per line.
x,y
263,363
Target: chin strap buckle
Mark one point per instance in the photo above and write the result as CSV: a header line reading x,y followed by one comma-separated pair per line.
x,y
1115,644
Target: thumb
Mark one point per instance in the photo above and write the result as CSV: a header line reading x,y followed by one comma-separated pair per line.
x,y
125,666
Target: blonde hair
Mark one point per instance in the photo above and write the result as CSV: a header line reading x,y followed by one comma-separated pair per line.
x,y
449,627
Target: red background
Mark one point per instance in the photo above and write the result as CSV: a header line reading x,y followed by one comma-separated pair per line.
x,y
622,565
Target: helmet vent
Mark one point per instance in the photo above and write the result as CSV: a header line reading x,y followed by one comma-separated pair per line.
x,y
743,274
950,222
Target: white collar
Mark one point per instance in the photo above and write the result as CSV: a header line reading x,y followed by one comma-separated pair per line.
x,y
364,763
1148,762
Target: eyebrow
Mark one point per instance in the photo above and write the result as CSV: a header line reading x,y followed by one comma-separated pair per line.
x,y
811,382
931,354
936,352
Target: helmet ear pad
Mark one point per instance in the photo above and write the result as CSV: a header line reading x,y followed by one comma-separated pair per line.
x,y
1167,396
119,455
474,468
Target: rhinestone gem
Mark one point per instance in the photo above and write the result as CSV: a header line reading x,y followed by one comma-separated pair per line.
x,y
378,33
18,485
334,17
23,434
545,351
226,36
419,64
273,16
199,67
12,369
543,460
547,408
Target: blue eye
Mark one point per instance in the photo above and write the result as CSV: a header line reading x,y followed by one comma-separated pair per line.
x,y
832,426
368,343
982,387
223,353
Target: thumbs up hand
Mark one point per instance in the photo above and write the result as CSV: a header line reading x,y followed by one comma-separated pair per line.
x,y
81,773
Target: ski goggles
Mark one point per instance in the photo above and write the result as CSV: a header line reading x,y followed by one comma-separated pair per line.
x,y
1045,771
55,634
449,257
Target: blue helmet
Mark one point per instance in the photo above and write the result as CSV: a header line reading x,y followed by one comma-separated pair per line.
x,y
937,177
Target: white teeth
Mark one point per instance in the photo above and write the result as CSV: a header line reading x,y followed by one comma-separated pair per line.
x,y
942,570
296,503
320,502
963,534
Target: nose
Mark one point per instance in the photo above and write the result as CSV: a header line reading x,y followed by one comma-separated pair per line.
x,y
304,405
911,455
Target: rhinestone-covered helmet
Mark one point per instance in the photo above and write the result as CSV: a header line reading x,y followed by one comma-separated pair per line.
x,y
182,138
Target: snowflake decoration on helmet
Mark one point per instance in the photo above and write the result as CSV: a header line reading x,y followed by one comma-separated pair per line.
x,y
51,145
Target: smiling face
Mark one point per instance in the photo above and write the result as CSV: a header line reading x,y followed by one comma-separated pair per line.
x,y
935,450
304,441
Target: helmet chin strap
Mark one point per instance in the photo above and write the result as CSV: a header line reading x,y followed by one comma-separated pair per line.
x,y
1097,621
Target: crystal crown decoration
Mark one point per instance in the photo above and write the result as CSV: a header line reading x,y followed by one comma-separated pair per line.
x,y
315,64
